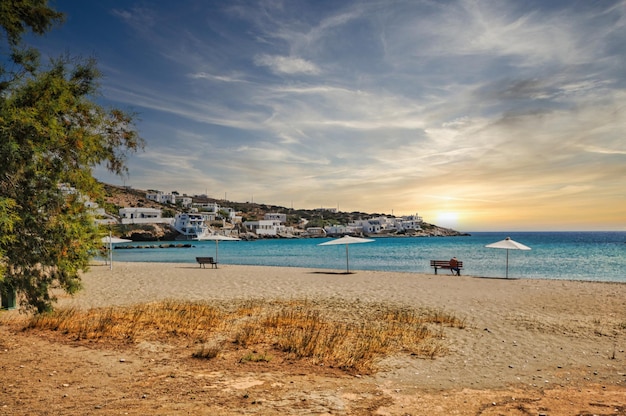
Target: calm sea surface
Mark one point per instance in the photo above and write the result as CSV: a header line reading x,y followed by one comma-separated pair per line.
x,y
599,256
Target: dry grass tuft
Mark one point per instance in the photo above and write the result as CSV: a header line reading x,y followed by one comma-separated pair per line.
x,y
144,321
299,329
209,350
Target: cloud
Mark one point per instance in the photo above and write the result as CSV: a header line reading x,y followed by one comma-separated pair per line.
x,y
605,151
287,65
373,105
219,78
140,18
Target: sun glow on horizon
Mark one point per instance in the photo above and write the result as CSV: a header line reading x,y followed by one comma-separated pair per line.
x,y
447,219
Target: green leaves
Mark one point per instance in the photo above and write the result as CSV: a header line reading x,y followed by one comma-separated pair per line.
x,y
52,132
17,16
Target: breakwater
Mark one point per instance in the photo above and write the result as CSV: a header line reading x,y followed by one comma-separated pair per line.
x,y
143,246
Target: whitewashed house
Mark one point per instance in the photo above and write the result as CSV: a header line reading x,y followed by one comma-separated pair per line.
x,y
169,198
214,208
142,216
409,222
316,231
231,213
274,216
207,206
192,226
268,227
161,197
365,226
100,215
185,201
336,229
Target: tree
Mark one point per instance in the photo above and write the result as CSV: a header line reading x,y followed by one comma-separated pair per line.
x,y
18,15
51,133
223,214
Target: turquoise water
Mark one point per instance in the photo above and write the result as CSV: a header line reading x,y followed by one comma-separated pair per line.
x,y
599,256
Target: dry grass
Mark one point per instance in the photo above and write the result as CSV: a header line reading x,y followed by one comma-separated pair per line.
x,y
298,329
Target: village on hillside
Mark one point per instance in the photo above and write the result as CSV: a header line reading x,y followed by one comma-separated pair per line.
x,y
154,215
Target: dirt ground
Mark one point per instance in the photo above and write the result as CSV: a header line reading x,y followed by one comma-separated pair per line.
x,y
46,374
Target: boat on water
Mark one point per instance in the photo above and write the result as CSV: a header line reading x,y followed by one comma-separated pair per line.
x,y
191,226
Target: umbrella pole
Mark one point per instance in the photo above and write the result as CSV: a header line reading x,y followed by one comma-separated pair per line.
x,y
347,260
507,264
216,244
110,251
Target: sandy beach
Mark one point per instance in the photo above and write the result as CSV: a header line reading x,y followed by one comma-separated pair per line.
x,y
529,347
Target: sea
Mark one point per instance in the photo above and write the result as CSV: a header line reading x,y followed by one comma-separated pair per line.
x,y
585,256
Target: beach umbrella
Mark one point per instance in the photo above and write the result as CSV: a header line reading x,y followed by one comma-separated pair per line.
x,y
347,240
217,238
110,240
508,244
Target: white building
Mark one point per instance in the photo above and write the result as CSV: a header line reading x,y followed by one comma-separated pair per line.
x,y
171,198
409,222
232,214
207,206
268,227
215,208
185,201
381,224
100,215
316,231
142,216
192,225
161,197
365,226
274,216
336,229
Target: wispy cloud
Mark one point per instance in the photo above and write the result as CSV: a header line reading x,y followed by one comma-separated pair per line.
x,y
287,64
412,105
219,78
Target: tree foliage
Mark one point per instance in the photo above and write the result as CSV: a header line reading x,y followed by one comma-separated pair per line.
x,y
52,133
16,16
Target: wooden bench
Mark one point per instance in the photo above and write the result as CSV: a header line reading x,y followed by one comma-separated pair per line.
x,y
202,261
443,264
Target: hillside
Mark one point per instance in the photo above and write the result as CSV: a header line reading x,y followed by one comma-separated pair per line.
x,y
120,197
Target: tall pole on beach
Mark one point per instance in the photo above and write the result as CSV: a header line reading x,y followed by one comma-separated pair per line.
x,y
110,251
507,264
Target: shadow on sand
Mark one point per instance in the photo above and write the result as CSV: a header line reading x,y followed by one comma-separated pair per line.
x,y
494,278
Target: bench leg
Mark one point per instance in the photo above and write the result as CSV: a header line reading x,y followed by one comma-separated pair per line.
x,y
435,270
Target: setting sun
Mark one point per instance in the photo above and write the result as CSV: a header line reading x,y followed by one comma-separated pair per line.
x,y
447,219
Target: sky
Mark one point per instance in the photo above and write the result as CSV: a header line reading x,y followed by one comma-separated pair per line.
x,y
478,115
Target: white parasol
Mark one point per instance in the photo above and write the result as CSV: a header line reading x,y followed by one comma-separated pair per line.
x,y
508,244
217,238
347,240
110,240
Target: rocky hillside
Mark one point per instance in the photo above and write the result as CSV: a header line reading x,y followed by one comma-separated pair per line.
x,y
119,197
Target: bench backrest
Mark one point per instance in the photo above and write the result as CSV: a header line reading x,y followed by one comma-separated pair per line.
x,y
204,259
444,263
